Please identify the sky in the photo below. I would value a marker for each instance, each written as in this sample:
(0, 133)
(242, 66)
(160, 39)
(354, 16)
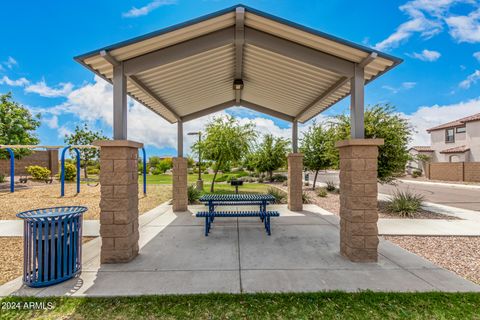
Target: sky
(439, 41)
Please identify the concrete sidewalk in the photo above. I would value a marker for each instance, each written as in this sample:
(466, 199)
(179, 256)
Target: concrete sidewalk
(302, 254)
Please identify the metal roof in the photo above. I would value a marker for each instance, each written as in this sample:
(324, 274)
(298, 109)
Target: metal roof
(288, 70)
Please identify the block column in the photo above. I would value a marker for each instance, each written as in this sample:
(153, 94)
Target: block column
(180, 197)
(295, 169)
(119, 200)
(358, 199)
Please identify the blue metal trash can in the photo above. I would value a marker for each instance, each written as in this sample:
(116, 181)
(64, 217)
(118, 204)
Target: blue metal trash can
(52, 245)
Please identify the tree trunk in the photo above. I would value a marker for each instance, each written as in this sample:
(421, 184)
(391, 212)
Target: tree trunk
(315, 179)
(85, 169)
(215, 176)
(270, 173)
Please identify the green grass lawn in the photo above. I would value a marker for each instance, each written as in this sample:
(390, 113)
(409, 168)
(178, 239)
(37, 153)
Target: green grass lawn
(329, 305)
(167, 178)
(246, 188)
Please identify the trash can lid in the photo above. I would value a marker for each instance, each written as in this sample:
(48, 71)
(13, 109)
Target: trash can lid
(52, 212)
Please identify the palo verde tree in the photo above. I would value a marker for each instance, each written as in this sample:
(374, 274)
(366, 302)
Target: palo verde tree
(271, 154)
(382, 121)
(17, 125)
(226, 140)
(318, 148)
(83, 135)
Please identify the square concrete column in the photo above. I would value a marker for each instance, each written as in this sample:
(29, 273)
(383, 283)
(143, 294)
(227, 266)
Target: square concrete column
(180, 197)
(119, 200)
(295, 169)
(358, 199)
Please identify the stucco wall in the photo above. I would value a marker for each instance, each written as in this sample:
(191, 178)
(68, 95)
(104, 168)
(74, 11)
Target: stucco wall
(439, 144)
(473, 140)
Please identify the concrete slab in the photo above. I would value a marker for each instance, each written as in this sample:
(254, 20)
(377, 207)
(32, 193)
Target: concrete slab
(175, 257)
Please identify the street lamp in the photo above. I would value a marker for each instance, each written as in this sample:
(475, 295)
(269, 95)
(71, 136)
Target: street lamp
(199, 181)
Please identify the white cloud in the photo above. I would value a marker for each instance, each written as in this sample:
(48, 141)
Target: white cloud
(465, 28)
(142, 11)
(471, 79)
(10, 63)
(430, 116)
(52, 122)
(14, 83)
(64, 131)
(41, 88)
(404, 86)
(428, 18)
(476, 55)
(426, 55)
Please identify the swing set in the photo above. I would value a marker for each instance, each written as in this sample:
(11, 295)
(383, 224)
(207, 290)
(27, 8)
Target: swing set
(90, 182)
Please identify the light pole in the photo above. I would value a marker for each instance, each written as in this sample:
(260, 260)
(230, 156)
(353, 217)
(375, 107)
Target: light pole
(199, 181)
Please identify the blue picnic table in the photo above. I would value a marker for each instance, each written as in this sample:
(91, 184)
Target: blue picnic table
(216, 200)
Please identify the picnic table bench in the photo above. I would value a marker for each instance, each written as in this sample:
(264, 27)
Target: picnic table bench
(215, 200)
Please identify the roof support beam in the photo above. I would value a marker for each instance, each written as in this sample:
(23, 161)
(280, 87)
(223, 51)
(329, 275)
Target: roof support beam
(334, 87)
(207, 111)
(180, 139)
(265, 110)
(357, 107)
(298, 52)
(179, 51)
(239, 42)
(152, 95)
(109, 58)
(295, 136)
(119, 103)
(365, 62)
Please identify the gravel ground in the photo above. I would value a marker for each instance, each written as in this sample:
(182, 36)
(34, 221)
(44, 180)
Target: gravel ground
(49, 196)
(458, 254)
(11, 257)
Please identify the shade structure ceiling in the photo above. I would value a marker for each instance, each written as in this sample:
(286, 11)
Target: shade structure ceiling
(238, 57)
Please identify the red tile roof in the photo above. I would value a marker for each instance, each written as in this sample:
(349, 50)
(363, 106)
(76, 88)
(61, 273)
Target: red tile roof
(460, 149)
(457, 123)
(422, 148)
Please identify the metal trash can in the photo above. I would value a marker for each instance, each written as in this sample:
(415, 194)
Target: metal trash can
(52, 245)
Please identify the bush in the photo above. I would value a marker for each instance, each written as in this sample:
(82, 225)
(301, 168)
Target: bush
(322, 192)
(93, 170)
(2, 178)
(70, 171)
(331, 186)
(278, 194)
(405, 203)
(260, 180)
(417, 173)
(279, 178)
(305, 197)
(193, 194)
(39, 173)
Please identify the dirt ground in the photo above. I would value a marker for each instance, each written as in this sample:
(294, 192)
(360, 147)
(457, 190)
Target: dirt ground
(11, 257)
(49, 196)
(458, 254)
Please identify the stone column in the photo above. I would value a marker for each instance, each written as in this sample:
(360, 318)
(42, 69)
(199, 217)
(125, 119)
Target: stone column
(180, 197)
(295, 169)
(119, 200)
(358, 199)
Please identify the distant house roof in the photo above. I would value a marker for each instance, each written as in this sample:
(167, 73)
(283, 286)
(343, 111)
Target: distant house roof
(460, 149)
(456, 123)
(422, 148)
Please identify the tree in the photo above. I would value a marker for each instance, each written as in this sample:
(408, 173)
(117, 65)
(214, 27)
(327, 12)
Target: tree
(165, 164)
(225, 140)
(382, 121)
(318, 148)
(17, 125)
(271, 154)
(82, 135)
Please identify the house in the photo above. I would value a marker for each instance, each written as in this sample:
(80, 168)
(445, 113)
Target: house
(455, 141)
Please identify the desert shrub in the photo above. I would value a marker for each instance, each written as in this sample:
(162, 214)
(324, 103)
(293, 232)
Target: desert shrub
(417, 173)
(70, 171)
(322, 192)
(305, 197)
(330, 186)
(93, 170)
(260, 180)
(38, 172)
(278, 194)
(2, 178)
(405, 203)
(193, 194)
(279, 177)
